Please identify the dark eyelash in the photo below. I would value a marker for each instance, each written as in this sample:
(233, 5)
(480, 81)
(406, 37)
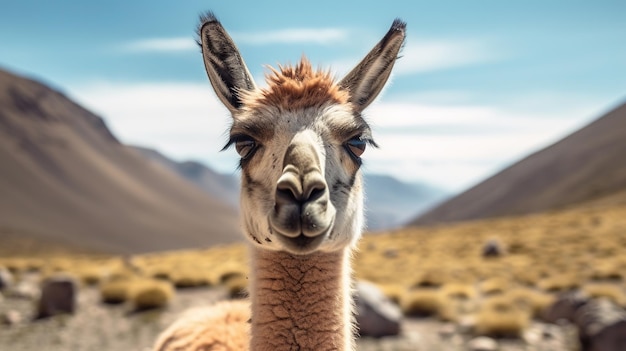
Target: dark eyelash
(233, 139)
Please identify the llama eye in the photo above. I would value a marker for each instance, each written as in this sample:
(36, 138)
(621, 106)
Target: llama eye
(245, 146)
(356, 146)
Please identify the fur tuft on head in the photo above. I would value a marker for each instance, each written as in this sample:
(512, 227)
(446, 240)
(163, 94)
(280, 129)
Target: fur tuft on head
(298, 87)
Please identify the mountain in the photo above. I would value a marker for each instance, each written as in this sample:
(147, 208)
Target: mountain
(65, 178)
(220, 186)
(390, 202)
(589, 165)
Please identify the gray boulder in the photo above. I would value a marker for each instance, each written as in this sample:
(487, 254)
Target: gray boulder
(376, 315)
(493, 248)
(23, 290)
(482, 343)
(6, 278)
(565, 306)
(601, 326)
(11, 317)
(58, 296)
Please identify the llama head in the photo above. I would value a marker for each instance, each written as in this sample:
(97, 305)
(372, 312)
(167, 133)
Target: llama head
(300, 141)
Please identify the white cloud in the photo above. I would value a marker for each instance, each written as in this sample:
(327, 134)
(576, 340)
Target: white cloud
(456, 147)
(182, 120)
(432, 55)
(452, 147)
(428, 55)
(323, 36)
(173, 44)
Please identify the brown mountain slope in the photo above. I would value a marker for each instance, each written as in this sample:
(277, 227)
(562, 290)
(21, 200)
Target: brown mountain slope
(587, 165)
(65, 178)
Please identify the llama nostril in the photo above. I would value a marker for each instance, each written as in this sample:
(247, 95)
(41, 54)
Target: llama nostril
(314, 186)
(286, 194)
(314, 191)
(289, 188)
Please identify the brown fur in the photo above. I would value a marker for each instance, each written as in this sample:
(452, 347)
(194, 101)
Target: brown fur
(222, 327)
(299, 301)
(297, 87)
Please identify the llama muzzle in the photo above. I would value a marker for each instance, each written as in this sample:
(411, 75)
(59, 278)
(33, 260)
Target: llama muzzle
(302, 214)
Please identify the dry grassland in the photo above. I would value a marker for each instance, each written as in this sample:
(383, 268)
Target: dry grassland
(435, 271)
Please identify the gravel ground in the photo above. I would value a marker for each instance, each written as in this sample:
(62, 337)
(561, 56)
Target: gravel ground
(103, 327)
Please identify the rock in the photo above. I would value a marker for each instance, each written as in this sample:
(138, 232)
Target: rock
(58, 296)
(549, 332)
(23, 290)
(376, 315)
(447, 330)
(11, 317)
(466, 324)
(493, 248)
(482, 343)
(601, 326)
(6, 278)
(532, 336)
(565, 307)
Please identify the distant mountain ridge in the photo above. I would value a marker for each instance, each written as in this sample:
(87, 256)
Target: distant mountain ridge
(589, 165)
(391, 203)
(65, 178)
(220, 186)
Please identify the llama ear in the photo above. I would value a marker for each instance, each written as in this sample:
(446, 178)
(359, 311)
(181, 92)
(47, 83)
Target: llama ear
(226, 69)
(367, 79)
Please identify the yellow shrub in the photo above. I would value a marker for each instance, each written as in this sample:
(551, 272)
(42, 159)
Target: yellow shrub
(500, 318)
(190, 279)
(559, 283)
(230, 274)
(237, 287)
(161, 273)
(458, 291)
(528, 276)
(495, 286)
(394, 292)
(607, 271)
(91, 275)
(430, 278)
(150, 293)
(612, 292)
(115, 291)
(533, 301)
(421, 303)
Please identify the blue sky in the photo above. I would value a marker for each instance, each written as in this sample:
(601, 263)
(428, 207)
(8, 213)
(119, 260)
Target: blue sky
(480, 83)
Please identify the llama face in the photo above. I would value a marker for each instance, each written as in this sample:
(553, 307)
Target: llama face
(301, 181)
(300, 142)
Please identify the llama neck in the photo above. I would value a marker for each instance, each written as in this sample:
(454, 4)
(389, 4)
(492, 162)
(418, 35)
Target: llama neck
(301, 302)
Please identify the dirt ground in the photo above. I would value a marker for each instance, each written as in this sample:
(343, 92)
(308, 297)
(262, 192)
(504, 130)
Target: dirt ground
(98, 327)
